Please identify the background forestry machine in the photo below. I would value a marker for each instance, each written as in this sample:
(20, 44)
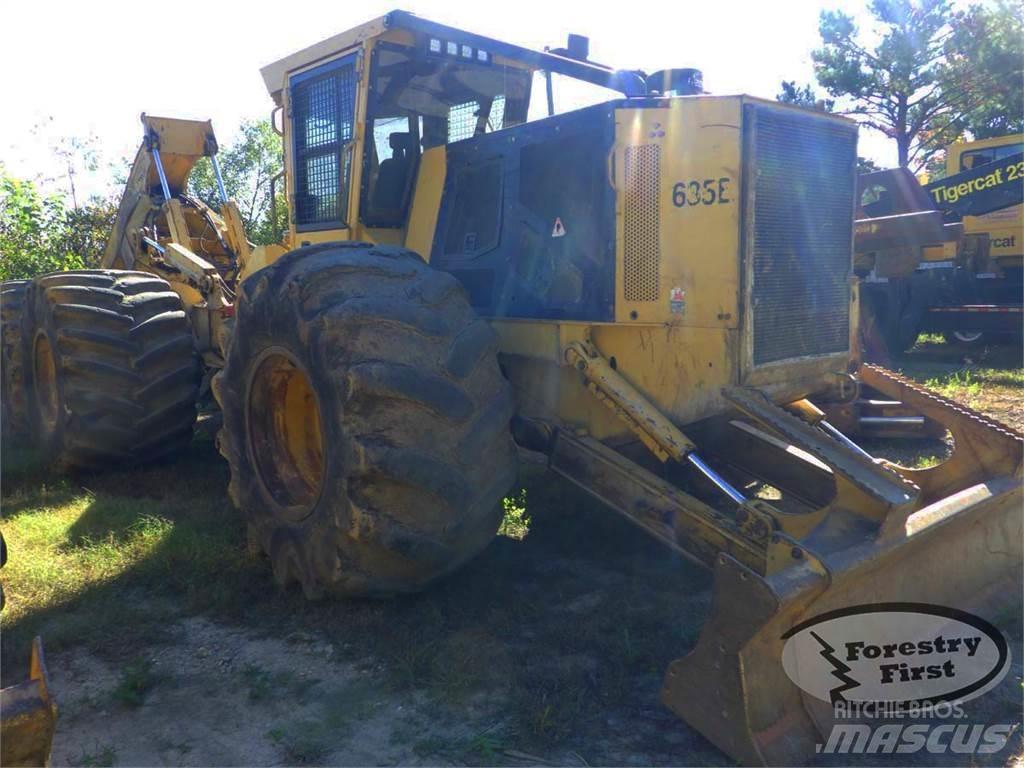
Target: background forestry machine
(650, 289)
(946, 257)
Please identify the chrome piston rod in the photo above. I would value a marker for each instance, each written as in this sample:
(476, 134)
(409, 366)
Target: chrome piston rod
(720, 482)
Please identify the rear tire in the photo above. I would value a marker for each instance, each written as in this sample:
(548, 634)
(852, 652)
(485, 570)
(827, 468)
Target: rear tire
(112, 374)
(13, 389)
(365, 420)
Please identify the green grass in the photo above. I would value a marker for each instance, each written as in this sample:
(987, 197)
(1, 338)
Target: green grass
(136, 680)
(965, 384)
(305, 742)
(923, 462)
(308, 739)
(103, 756)
(258, 681)
(107, 561)
(111, 563)
(975, 383)
(516, 522)
(988, 379)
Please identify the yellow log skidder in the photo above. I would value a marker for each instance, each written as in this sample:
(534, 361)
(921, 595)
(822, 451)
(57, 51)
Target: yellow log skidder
(653, 289)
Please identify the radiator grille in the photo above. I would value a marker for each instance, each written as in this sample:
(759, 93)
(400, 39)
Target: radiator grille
(641, 223)
(803, 182)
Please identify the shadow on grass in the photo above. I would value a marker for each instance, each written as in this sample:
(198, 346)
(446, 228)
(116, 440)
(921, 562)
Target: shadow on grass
(938, 355)
(195, 561)
(568, 630)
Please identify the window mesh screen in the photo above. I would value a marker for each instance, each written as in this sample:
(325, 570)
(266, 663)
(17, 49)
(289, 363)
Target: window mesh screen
(462, 121)
(322, 109)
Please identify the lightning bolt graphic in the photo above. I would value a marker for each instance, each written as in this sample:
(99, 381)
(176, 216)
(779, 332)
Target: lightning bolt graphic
(839, 670)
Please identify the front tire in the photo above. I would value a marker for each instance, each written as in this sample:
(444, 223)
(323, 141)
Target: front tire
(365, 420)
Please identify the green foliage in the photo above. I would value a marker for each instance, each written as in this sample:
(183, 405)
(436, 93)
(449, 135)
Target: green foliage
(987, 55)
(899, 82)
(41, 234)
(247, 166)
(803, 96)
(926, 74)
(516, 522)
(864, 165)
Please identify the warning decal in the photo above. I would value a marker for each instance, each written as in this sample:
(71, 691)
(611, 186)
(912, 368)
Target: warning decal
(558, 230)
(677, 301)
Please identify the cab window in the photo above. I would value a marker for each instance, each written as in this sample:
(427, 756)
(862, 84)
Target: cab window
(418, 100)
(322, 104)
(978, 157)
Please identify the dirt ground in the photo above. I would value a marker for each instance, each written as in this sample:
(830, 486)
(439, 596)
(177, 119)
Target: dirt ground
(536, 653)
(546, 650)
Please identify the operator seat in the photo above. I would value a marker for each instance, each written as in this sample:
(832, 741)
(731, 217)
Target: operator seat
(393, 174)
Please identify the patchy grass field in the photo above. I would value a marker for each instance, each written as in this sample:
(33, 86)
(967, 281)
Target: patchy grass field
(552, 643)
(169, 644)
(988, 379)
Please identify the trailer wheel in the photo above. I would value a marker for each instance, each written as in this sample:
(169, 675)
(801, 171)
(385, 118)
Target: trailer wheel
(13, 390)
(112, 376)
(965, 338)
(365, 420)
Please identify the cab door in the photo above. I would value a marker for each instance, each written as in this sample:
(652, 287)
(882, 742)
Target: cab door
(320, 146)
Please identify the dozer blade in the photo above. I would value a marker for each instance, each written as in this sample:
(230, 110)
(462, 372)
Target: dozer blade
(28, 716)
(956, 542)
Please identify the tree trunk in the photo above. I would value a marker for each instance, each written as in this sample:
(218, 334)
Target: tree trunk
(903, 149)
(903, 136)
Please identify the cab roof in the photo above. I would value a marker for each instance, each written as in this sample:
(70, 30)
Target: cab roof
(275, 74)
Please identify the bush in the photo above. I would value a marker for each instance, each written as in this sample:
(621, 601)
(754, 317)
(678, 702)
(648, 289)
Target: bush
(41, 234)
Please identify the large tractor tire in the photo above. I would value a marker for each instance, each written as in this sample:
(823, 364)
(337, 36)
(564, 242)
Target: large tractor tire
(13, 390)
(112, 374)
(365, 421)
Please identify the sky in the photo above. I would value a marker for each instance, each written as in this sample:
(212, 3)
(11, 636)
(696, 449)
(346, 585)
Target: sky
(90, 68)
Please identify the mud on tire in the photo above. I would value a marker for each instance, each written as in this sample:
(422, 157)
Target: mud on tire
(112, 375)
(13, 389)
(365, 420)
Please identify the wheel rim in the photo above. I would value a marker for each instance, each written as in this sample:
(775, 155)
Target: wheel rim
(284, 434)
(967, 337)
(44, 368)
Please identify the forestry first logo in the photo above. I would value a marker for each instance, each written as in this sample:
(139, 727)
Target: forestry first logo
(895, 652)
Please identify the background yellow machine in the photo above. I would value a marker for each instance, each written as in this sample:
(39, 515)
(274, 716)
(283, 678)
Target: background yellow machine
(646, 289)
(945, 257)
